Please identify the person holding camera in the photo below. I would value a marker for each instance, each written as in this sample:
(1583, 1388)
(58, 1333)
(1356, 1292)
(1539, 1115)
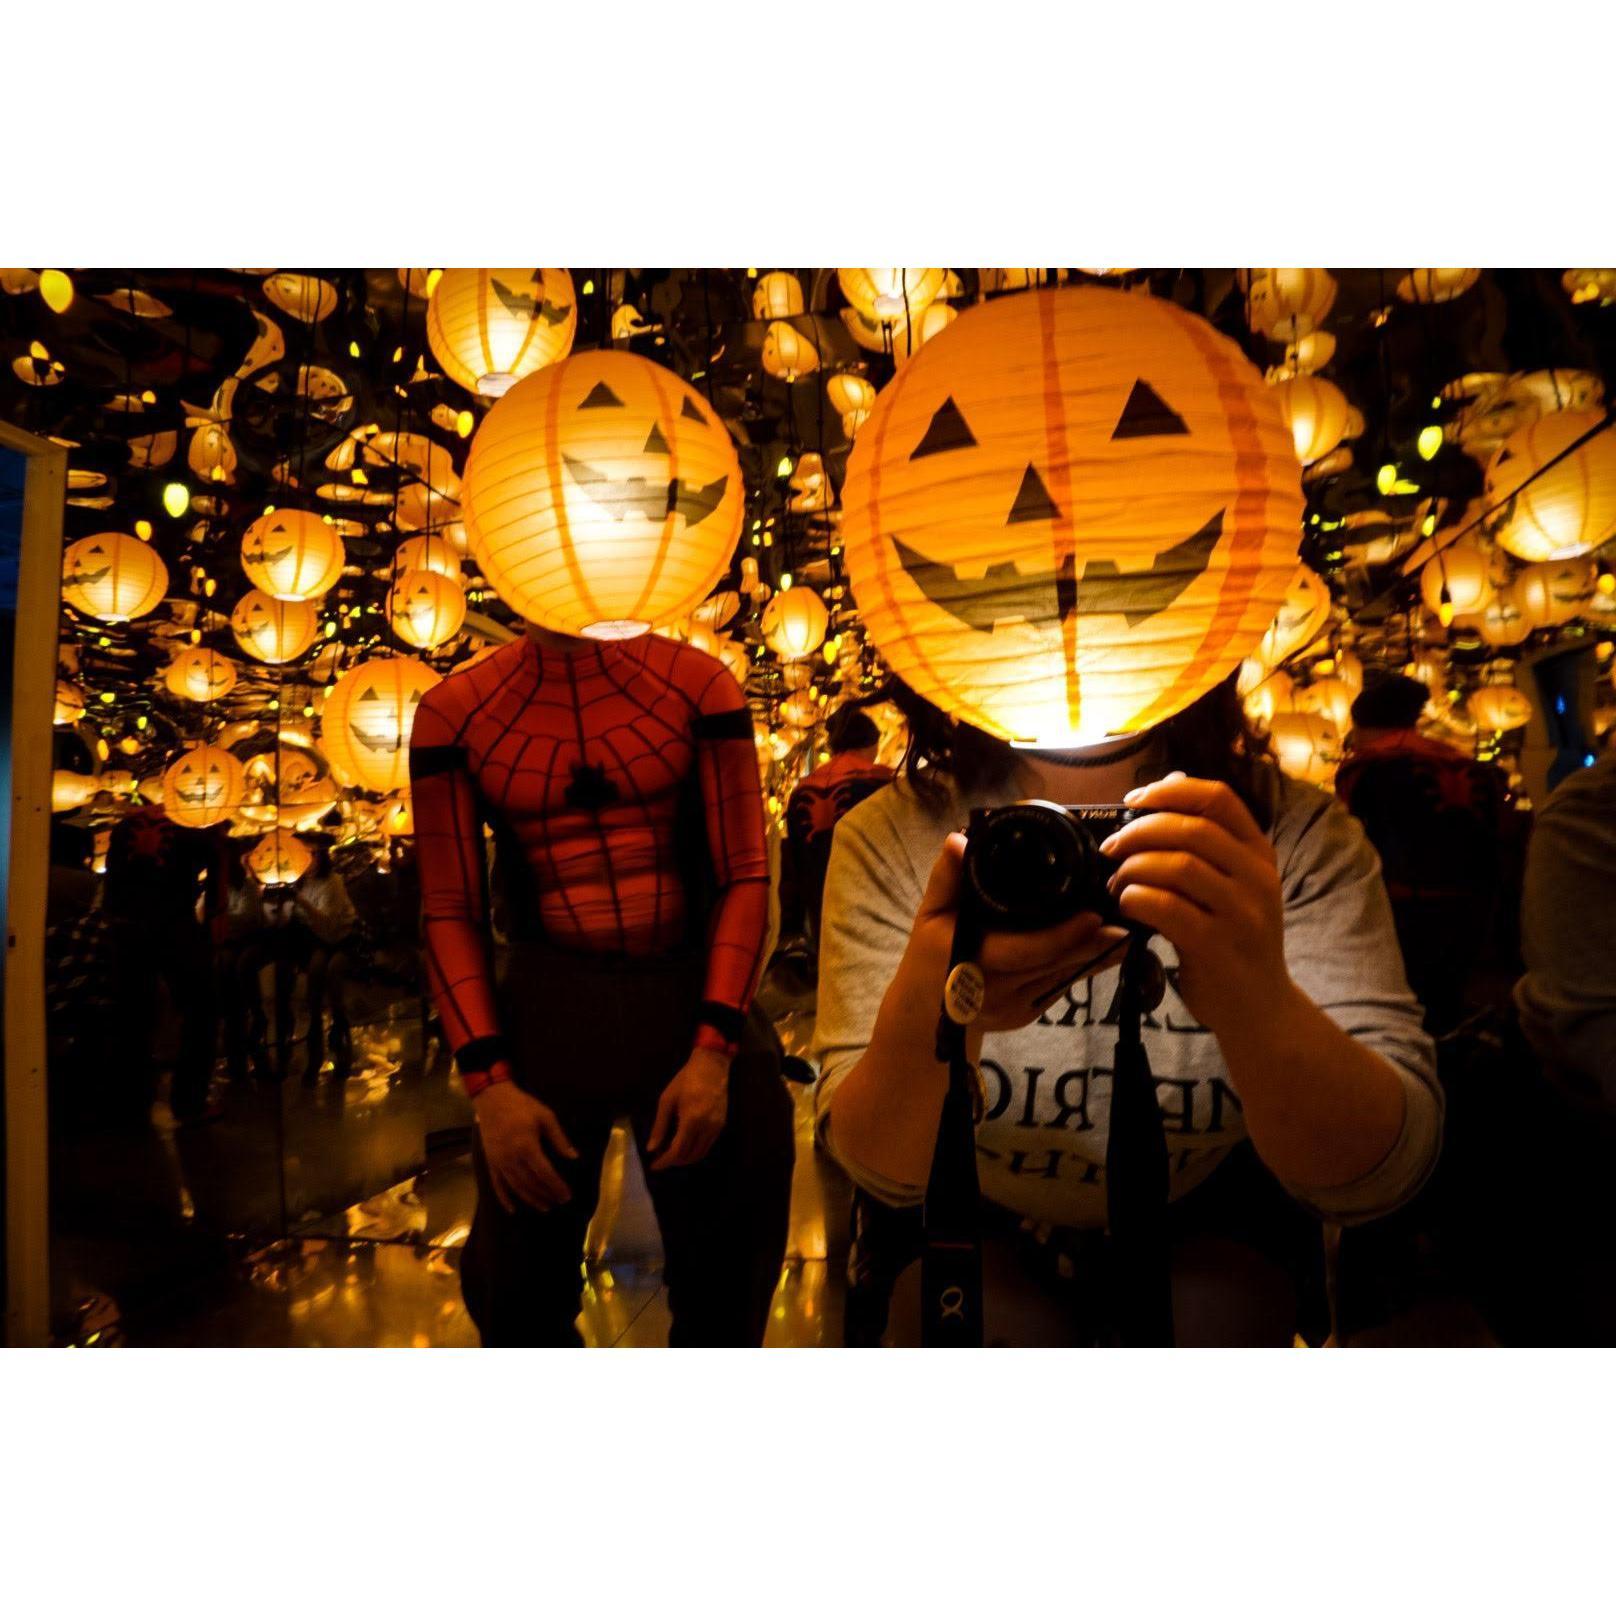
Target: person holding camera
(1295, 1080)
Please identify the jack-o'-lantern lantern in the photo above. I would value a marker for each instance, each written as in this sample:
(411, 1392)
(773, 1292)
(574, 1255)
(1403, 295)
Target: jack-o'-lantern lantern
(304, 297)
(909, 335)
(273, 630)
(1071, 514)
(279, 859)
(425, 608)
(810, 487)
(1316, 412)
(794, 623)
(203, 786)
(489, 328)
(427, 552)
(602, 496)
(718, 610)
(1436, 285)
(69, 707)
(1500, 707)
(113, 577)
(850, 395)
(200, 673)
(1500, 621)
(1264, 691)
(365, 727)
(1306, 746)
(1286, 304)
(1555, 511)
(1590, 285)
(888, 295)
(1300, 619)
(800, 711)
(787, 352)
(1463, 574)
(1331, 699)
(1553, 592)
(292, 555)
(734, 656)
(777, 296)
(212, 455)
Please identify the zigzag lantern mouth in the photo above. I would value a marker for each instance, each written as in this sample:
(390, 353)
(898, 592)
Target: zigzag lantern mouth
(645, 497)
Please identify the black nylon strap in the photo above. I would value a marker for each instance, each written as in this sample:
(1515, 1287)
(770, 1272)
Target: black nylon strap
(730, 726)
(724, 1019)
(481, 1053)
(426, 761)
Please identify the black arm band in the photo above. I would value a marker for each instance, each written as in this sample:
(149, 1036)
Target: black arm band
(481, 1054)
(724, 1019)
(731, 726)
(429, 760)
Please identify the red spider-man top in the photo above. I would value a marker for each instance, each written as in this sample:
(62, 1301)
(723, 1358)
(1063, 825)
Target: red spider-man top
(583, 760)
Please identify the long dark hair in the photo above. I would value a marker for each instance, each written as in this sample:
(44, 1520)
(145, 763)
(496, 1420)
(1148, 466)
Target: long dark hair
(1210, 740)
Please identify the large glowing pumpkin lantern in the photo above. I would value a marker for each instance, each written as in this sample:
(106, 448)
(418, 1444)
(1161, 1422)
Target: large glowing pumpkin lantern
(488, 328)
(602, 496)
(1071, 514)
(203, 786)
(366, 723)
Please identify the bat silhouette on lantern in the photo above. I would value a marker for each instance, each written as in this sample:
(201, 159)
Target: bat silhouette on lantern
(531, 305)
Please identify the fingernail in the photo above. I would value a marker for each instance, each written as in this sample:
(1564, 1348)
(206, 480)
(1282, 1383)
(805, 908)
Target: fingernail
(1138, 791)
(1177, 774)
(1108, 844)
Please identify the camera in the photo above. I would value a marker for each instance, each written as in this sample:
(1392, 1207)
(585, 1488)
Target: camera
(1032, 864)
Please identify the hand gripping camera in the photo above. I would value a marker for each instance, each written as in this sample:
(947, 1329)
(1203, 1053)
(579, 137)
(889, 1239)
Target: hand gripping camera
(1028, 866)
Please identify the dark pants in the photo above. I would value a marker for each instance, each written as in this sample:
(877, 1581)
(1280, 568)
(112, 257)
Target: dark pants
(597, 1041)
(178, 958)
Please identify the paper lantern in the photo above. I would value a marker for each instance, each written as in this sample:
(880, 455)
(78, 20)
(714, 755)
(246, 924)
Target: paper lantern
(1071, 514)
(304, 297)
(794, 623)
(1304, 356)
(1553, 592)
(811, 489)
(1315, 411)
(1330, 699)
(849, 392)
(1500, 707)
(1436, 285)
(1464, 571)
(885, 295)
(1306, 746)
(425, 608)
(427, 552)
(1286, 303)
(212, 456)
(1584, 285)
(200, 674)
(292, 555)
(113, 577)
(718, 610)
(203, 786)
(397, 817)
(602, 496)
(1300, 619)
(736, 658)
(1267, 692)
(279, 859)
(801, 711)
(787, 353)
(908, 335)
(777, 296)
(489, 328)
(1501, 621)
(271, 630)
(1349, 670)
(1566, 510)
(365, 726)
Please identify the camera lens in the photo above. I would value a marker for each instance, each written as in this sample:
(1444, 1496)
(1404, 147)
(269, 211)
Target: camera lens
(1029, 864)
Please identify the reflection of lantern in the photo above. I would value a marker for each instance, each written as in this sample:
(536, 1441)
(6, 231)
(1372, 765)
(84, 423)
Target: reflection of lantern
(777, 296)
(811, 490)
(801, 711)
(1331, 699)
(397, 817)
(1300, 619)
(203, 787)
(1464, 571)
(1286, 303)
(1071, 514)
(425, 608)
(428, 552)
(113, 576)
(1501, 620)
(274, 630)
(1500, 707)
(1566, 510)
(489, 328)
(718, 610)
(787, 353)
(890, 294)
(794, 623)
(292, 555)
(908, 335)
(1436, 285)
(1265, 692)
(1349, 670)
(1553, 592)
(365, 727)
(602, 496)
(69, 707)
(734, 657)
(1306, 746)
(849, 392)
(212, 455)
(1316, 413)
(200, 674)
(280, 859)
(304, 297)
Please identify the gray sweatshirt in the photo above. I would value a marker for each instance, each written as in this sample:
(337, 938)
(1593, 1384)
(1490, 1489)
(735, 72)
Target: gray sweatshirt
(1041, 1145)
(1567, 999)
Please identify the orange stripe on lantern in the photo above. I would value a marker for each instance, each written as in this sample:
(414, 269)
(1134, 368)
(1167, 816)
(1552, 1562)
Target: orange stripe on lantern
(558, 503)
(483, 282)
(669, 429)
(1059, 469)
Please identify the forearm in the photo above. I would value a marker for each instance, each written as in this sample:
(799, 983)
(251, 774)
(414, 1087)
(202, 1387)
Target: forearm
(734, 959)
(1321, 1108)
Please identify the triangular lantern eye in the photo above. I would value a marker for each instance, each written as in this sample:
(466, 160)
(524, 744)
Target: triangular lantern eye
(1033, 503)
(1145, 415)
(372, 694)
(947, 431)
(690, 412)
(601, 397)
(655, 443)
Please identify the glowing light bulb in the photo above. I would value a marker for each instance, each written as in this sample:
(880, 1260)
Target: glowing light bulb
(143, 530)
(353, 350)
(176, 499)
(464, 422)
(588, 288)
(1428, 526)
(1606, 583)
(1386, 479)
(57, 290)
(1430, 440)
(433, 276)
(784, 468)
(785, 580)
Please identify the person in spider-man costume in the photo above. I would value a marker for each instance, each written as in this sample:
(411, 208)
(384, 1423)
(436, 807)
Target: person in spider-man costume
(619, 780)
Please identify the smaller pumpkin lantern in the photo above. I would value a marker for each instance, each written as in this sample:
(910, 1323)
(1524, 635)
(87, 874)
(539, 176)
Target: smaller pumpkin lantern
(1299, 621)
(271, 630)
(489, 328)
(427, 552)
(203, 786)
(1558, 508)
(304, 297)
(212, 456)
(1500, 707)
(425, 608)
(777, 296)
(280, 859)
(292, 555)
(1316, 411)
(718, 610)
(1459, 578)
(365, 727)
(1501, 621)
(69, 708)
(794, 623)
(200, 673)
(887, 295)
(909, 335)
(788, 353)
(1330, 699)
(1553, 592)
(1436, 285)
(1306, 746)
(113, 577)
